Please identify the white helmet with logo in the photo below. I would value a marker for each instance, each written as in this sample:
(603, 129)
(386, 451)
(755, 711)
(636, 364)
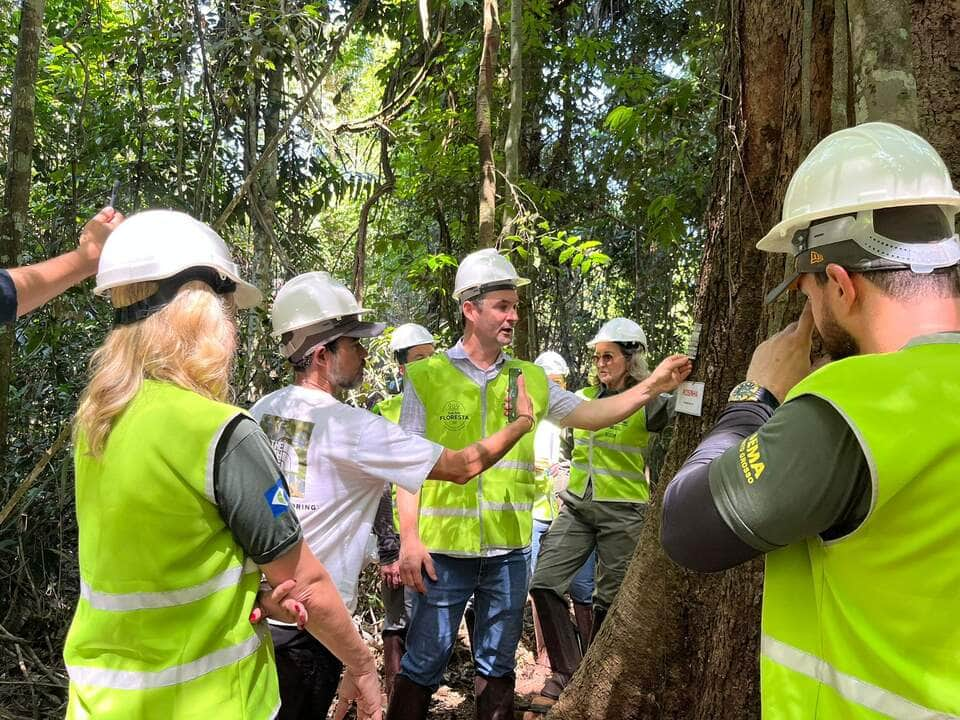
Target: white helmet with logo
(870, 166)
(155, 245)
(483, 271)
(552, 363)
(620, 330)
(408, 335)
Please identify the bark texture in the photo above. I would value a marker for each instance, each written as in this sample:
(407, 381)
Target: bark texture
(678, 644)
(488, 168)
(16, 194)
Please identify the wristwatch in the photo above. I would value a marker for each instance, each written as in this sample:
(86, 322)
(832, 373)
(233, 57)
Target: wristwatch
(749, 391)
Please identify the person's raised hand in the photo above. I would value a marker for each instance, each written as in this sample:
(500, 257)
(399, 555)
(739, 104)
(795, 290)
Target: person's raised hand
(524, 403)
(95, 233)
(672, 371)
(781, 361)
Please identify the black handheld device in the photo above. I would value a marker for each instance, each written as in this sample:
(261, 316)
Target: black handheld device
(113, 194)
(514, 374)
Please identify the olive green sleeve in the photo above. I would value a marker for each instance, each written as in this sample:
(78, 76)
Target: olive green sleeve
(252, 493)
(801, 474)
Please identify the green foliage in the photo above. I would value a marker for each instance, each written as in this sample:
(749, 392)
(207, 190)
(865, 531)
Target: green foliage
(615, 159)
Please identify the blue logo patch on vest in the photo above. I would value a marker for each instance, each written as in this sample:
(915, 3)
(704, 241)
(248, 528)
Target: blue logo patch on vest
(276, 497)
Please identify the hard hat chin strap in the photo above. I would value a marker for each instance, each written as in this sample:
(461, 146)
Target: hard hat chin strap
(167, 291)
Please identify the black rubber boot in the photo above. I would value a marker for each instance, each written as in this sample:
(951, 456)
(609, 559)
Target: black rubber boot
(494, 697)
(583, 615)
(408, 701)
(599, 615)
(560, 639)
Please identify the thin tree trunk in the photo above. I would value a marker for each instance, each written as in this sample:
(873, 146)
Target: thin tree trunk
(488, 168)
(16, 194)
(678, 644)
(511, 145)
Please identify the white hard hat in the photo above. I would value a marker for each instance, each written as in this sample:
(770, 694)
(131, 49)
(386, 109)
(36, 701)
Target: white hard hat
(483, 271)
(157, 244)
(315, 306)
(620, 330)
(552, 363)
(870, 166)
(408, 335)
(312, 298)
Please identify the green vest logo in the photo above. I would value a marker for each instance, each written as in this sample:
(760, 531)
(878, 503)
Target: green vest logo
(454, 415)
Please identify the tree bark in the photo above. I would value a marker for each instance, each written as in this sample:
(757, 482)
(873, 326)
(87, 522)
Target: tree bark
(936, 60)
(678, 644)
(16, 194)
(488, 168)
(511, 145)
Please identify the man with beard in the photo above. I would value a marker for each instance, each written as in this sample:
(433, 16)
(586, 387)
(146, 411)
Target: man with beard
(847, 476)
(475, 539)
(337, 458)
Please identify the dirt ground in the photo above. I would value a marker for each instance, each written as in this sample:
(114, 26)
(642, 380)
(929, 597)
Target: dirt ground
(454, 699)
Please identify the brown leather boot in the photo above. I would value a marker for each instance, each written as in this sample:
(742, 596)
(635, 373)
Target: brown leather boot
(560, 639)
(494, 697)
(393, 649)
(583, 615)
(408, 701)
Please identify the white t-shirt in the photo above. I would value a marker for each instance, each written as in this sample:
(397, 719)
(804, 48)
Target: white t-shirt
(336, 459)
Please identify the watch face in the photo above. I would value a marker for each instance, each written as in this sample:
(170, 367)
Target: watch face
(745, 391)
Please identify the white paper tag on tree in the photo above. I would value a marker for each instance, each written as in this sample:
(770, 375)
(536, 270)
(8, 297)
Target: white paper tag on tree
(690, 398)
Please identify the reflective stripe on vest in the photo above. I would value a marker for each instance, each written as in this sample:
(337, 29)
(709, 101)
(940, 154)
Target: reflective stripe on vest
(865, 624)
(162, 621)
(494, 510)
(612, 458)
(852, 688)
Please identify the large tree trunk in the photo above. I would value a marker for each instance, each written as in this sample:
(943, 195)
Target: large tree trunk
(681, 644)
(16, 195)
(677, 644)
(488, 168)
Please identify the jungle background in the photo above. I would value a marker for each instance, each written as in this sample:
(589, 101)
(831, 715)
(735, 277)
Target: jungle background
(626, 154)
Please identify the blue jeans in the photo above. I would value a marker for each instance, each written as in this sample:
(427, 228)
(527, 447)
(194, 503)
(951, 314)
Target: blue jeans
(499, 587)
(581, 587)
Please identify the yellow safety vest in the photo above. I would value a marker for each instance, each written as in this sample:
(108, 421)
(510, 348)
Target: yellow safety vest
(162, 629)
(613, 457)
(389, 409)
(494, 510)
(864, 626)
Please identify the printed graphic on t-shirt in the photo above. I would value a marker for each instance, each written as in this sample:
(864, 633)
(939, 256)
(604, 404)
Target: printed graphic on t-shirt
(290, 439)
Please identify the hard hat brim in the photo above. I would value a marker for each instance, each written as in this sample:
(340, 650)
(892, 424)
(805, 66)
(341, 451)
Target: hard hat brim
(780, 237)
(246, 295)
(515, 282)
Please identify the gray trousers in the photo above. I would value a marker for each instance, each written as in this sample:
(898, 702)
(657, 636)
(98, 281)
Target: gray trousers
(397, 604)
(584, 524)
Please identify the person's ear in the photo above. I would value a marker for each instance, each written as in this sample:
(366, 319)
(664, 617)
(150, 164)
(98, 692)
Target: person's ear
(470, 311)
(841, 286)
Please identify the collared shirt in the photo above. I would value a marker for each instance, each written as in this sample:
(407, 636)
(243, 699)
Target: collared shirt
(413, 416)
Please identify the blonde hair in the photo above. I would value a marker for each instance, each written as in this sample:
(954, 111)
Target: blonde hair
(190, 343)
